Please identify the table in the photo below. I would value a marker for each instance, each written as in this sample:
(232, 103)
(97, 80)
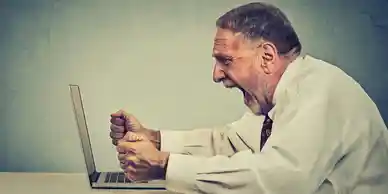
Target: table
(54, 183)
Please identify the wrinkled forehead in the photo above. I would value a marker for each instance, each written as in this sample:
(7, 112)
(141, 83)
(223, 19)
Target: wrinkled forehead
(225, 41)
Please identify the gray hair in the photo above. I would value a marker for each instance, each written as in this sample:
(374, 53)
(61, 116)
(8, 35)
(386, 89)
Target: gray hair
(262, 21)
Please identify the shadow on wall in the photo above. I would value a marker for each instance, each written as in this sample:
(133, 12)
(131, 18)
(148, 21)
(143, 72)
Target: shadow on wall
(3, 131)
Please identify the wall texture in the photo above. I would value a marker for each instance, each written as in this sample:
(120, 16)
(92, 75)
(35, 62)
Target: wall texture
(152, 58)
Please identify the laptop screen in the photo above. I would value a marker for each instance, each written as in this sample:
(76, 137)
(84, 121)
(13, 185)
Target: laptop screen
(82, 128)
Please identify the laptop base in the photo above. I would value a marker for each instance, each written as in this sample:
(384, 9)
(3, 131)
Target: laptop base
(116, 180)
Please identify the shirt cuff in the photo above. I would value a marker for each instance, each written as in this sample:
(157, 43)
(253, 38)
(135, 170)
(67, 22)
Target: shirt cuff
(172, 141)
(181, 172)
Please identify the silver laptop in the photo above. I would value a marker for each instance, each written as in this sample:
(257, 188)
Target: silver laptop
(102, 180)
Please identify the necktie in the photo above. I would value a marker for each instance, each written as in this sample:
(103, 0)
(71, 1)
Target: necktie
(265, 131)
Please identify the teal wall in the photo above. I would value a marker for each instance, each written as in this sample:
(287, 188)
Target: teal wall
(152, 58)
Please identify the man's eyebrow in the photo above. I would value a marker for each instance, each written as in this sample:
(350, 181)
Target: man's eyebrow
(221, 56)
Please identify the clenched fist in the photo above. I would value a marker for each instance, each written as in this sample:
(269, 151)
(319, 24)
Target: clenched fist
(139, 158)
(122, 122)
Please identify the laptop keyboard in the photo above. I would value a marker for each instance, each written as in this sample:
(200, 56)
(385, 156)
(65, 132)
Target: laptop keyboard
(116, 177)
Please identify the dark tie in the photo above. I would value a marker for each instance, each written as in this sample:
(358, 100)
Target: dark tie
(265, 131)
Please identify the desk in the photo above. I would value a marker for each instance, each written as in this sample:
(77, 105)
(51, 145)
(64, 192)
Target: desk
(54, 183)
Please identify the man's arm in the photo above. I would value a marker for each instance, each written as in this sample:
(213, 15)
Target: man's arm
(306, 143)
(207, 141)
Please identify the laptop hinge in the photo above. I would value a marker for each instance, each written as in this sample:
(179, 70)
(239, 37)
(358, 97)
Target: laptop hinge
(94, 177)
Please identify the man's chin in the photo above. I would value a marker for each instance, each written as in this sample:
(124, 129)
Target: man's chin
(250, 102)
(255, 109)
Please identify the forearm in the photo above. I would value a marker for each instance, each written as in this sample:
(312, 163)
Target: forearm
(209, 141)
(202, 142)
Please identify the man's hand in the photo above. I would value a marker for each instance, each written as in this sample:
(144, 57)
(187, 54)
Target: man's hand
(122, 122)
(139, 158)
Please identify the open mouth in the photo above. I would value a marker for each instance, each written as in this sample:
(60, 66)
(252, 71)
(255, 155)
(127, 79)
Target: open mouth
(248, 98)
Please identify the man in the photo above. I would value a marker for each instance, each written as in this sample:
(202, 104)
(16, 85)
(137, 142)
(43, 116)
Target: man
(321, 132)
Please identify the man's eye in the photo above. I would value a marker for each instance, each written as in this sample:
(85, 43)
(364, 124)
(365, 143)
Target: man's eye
(224, 61)
(227, 62)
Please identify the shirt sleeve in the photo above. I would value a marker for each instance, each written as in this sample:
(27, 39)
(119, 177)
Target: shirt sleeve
(206, 141)
(304, 147)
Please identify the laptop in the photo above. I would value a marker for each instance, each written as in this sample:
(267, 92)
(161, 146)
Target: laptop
(102, 180)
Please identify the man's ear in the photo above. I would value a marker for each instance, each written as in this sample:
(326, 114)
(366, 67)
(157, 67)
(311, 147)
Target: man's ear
(269, 53)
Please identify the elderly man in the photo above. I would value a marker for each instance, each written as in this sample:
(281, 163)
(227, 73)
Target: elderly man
(312, 129)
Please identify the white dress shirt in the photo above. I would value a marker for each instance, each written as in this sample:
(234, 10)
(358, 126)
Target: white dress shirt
(327, 138)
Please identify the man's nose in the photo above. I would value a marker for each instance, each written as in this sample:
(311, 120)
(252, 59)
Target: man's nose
(218, 74)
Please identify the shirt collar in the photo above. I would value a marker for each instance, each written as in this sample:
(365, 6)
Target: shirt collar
(286, 79)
